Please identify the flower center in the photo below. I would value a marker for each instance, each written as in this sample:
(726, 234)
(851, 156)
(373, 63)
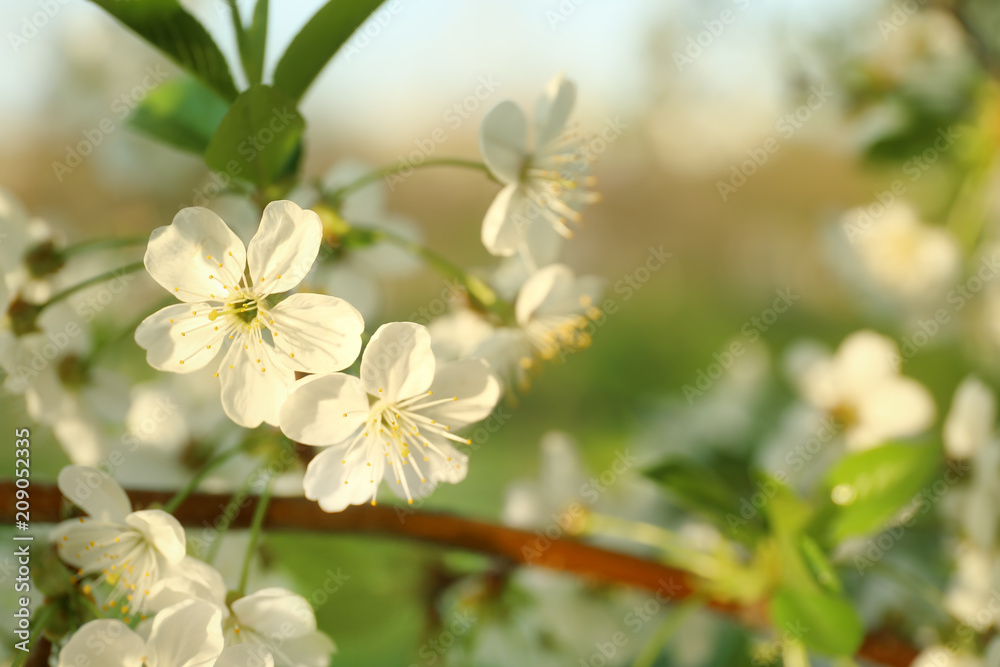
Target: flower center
(73, 371)
(244, 310)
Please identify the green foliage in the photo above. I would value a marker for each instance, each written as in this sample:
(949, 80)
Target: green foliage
(318, 41)
(166, 25)
(808, 606)
(259, 139)
(874, 485)
(821, 621)
(183, 113)
(716, 491)
(255, 43)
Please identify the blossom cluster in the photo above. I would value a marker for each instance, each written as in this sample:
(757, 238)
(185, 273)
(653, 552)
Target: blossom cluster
(268, 340)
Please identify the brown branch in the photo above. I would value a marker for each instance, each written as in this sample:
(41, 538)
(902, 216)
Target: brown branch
(517, 546)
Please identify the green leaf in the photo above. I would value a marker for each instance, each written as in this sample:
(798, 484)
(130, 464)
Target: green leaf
(318, 41)
(166, 25)
(256, 43)
(259, 139)
(183, 113)
(871, 487)
(818, 564)
(712, 494)
(824, 622)
(787, 516)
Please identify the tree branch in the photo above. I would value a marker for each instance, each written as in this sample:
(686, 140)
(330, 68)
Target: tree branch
(518, 546)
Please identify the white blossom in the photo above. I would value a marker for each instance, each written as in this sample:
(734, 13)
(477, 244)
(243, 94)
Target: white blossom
(226, 288)
(545, 184)
(396, 420)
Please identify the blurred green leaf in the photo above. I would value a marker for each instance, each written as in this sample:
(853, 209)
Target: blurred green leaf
(821, 621)
(871, 487)
(259, 139)
(819, 565)
(318, 41)
(256, 43)
(712, 491)
(169, 27)
(787, 517)
(183, 113)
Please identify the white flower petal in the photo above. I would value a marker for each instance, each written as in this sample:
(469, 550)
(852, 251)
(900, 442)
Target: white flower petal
(184, 257)
(95, 493)
(73, 539)
(284, 249)
(503, 141)
(186, 635)
(896, 408)
(553, 110)
(13, 231)
(105, 642)
(162, 531)
(336, 485)
(522, 505)
(863, 358)
(454, 336)
(538, 288)
(970, 423)
(398, 362)
(195, 579)
(314, 412)
(311, 650)
(179, 342)
(275, 611)
(501, 234)
(319, 333)
(562, 473)
(542, 243)
(245, 655)
(252, 391)
(472, 383)
(555, 290)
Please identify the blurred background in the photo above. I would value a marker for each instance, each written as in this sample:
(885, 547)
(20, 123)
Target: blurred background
(740, 137)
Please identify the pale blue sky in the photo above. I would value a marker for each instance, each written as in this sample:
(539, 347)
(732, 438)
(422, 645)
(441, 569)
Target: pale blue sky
(430, 54)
